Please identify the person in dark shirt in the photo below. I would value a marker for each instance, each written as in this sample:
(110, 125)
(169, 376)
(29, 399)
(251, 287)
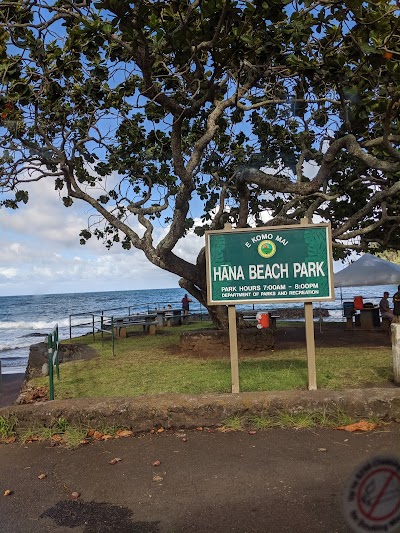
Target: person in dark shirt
(396, 305)
(185, 304)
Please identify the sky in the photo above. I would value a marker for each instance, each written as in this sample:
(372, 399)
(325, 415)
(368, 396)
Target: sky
(41, 253)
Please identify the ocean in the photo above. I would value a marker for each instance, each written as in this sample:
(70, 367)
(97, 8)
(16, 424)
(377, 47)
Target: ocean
(26, 320)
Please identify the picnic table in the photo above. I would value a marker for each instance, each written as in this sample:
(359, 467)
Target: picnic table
(170, 317)
(147, 320)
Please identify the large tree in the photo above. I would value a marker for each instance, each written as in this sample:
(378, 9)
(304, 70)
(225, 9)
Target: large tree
(250, 112)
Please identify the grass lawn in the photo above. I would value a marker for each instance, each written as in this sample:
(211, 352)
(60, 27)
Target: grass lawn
(145, 364)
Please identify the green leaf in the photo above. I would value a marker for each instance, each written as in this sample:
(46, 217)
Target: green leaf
(22, 196)
(67, 201)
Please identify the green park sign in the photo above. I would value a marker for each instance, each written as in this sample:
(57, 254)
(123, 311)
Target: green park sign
(270, 264)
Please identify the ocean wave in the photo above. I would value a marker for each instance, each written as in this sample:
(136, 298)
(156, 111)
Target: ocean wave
(14, 361)
(12, 348)
(15, 369)
(26, 324)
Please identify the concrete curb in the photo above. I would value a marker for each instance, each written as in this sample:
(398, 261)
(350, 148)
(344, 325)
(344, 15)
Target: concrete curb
(187, 411)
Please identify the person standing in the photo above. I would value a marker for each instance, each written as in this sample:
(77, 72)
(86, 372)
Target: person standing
(185, 304)
(396, 305)
(384, 307)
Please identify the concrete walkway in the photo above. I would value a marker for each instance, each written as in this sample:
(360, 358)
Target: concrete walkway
(10, 388)
(273, 481)
(207, 481)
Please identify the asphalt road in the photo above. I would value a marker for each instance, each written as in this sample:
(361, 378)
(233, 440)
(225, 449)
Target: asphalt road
(274, 481)
(10, 385)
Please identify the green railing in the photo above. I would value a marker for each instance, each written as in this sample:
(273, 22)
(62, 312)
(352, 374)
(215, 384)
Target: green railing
(52, 351)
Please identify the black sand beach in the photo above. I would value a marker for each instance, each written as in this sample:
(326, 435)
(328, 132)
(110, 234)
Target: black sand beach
(9, 388)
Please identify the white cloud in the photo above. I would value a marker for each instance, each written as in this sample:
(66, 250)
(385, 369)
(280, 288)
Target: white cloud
(8, 273)
(189, 247)
(41, 252)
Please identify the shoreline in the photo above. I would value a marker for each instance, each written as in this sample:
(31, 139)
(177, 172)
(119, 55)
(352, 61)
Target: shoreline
(10, 388)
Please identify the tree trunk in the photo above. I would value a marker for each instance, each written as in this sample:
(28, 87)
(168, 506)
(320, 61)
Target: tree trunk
(218, 313)
(219, 316)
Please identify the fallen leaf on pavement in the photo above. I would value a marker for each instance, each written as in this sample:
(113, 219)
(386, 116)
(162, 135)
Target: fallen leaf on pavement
(9, 440)
(115, 461)
(90, 433)
(252, 432)
(160, 430)
(124, 433)
(33, 438)
(106, 437)
(75, 495)
(322, 449)
(359, 426)
(157, 478)
(7, 492)
(97, 435)
(156, 463)
(184, 439)
(199, 429)
(42, 476)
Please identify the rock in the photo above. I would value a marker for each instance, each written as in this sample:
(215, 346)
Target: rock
(45, 369)
(206, 342)
(35, 334)
(38, 357)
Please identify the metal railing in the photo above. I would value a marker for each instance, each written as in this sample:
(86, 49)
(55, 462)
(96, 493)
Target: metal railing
(91, 315)
(89, 323)
(106, 326)
(53, 359)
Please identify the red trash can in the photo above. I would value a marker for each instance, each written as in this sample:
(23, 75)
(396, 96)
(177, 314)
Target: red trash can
(358, 302)
(262, 320)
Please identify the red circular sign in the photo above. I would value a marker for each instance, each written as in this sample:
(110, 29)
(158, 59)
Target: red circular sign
(372, 496)
(376, 493)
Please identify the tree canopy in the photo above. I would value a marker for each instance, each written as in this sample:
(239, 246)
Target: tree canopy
(193, 113)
